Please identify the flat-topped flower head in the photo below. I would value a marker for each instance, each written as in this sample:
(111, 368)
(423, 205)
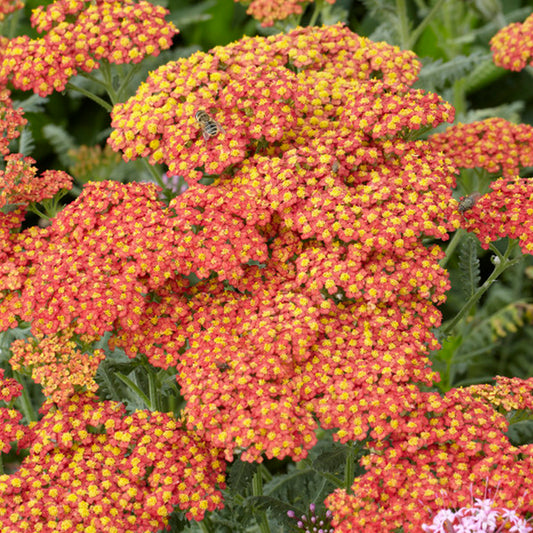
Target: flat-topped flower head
(270, 94)
(494, 144)
(107, 470)
(308, 134)
(443, 453)
(57, 364)
(512, 46)
(19, 183)
(270, 11)
(505, 211)
(79, 35)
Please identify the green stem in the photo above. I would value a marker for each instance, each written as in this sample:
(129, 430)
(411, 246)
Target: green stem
(257, 489)
(206, 526)
(24, 404)
(415, 35)
(107, 74)
(504, 264)
(317, 7)
(403, 29)
(124, 85)
(452, 245)
(155, 174)
(349, 470)
(106, 105)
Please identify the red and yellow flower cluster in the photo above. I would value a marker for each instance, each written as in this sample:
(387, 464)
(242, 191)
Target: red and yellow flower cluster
(91, 464)
(493, 144)
(293, 291)
(78, 36)
(270, 11)
(446, 451)
(512, 46)
(317, 179)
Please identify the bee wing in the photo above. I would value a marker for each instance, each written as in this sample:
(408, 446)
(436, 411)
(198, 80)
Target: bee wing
(205, 134)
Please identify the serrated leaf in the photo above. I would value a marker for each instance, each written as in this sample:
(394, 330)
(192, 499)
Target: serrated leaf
(469, 265)
(521, 432)
(61, 141)
(332, 459)
(26, 142)
(241, 474)
(33, 104)
(437, 74)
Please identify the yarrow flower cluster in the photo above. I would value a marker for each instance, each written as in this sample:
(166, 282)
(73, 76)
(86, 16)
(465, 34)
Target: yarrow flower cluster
(8, 6)
(493, 144)
(481, 515)
(284, 90)
(294, 291)
(19, 183)
(456, 443)
(317, 297)
(512, 46)
(505, 211)
(11, 121)
(109, 471)
(79, 35)
(57, 364)
(270, 11)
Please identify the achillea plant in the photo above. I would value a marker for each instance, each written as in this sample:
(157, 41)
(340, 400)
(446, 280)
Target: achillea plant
(453, 446)
(289, 291)
(334, 218)
(270, 11)
(91, 464)
(512, 46)
(79, 35)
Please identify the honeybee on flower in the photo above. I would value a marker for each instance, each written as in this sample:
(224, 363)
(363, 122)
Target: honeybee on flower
(467, 202)
(209, 126)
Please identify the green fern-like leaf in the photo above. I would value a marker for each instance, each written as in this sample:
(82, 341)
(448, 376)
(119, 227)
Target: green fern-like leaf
(61, 141)
(482, 75)
(26, 142)
(436, 74)
(469, 266)
(32, 104)
(241, 474)
(521, 432)
(485, 336)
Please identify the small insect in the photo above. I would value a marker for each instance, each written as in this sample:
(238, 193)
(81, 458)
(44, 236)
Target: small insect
(223, 367)
(210, 127)
(467, 202)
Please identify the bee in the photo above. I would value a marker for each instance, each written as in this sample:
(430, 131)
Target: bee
(223, 366)
(210, 127)
(467, 202)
